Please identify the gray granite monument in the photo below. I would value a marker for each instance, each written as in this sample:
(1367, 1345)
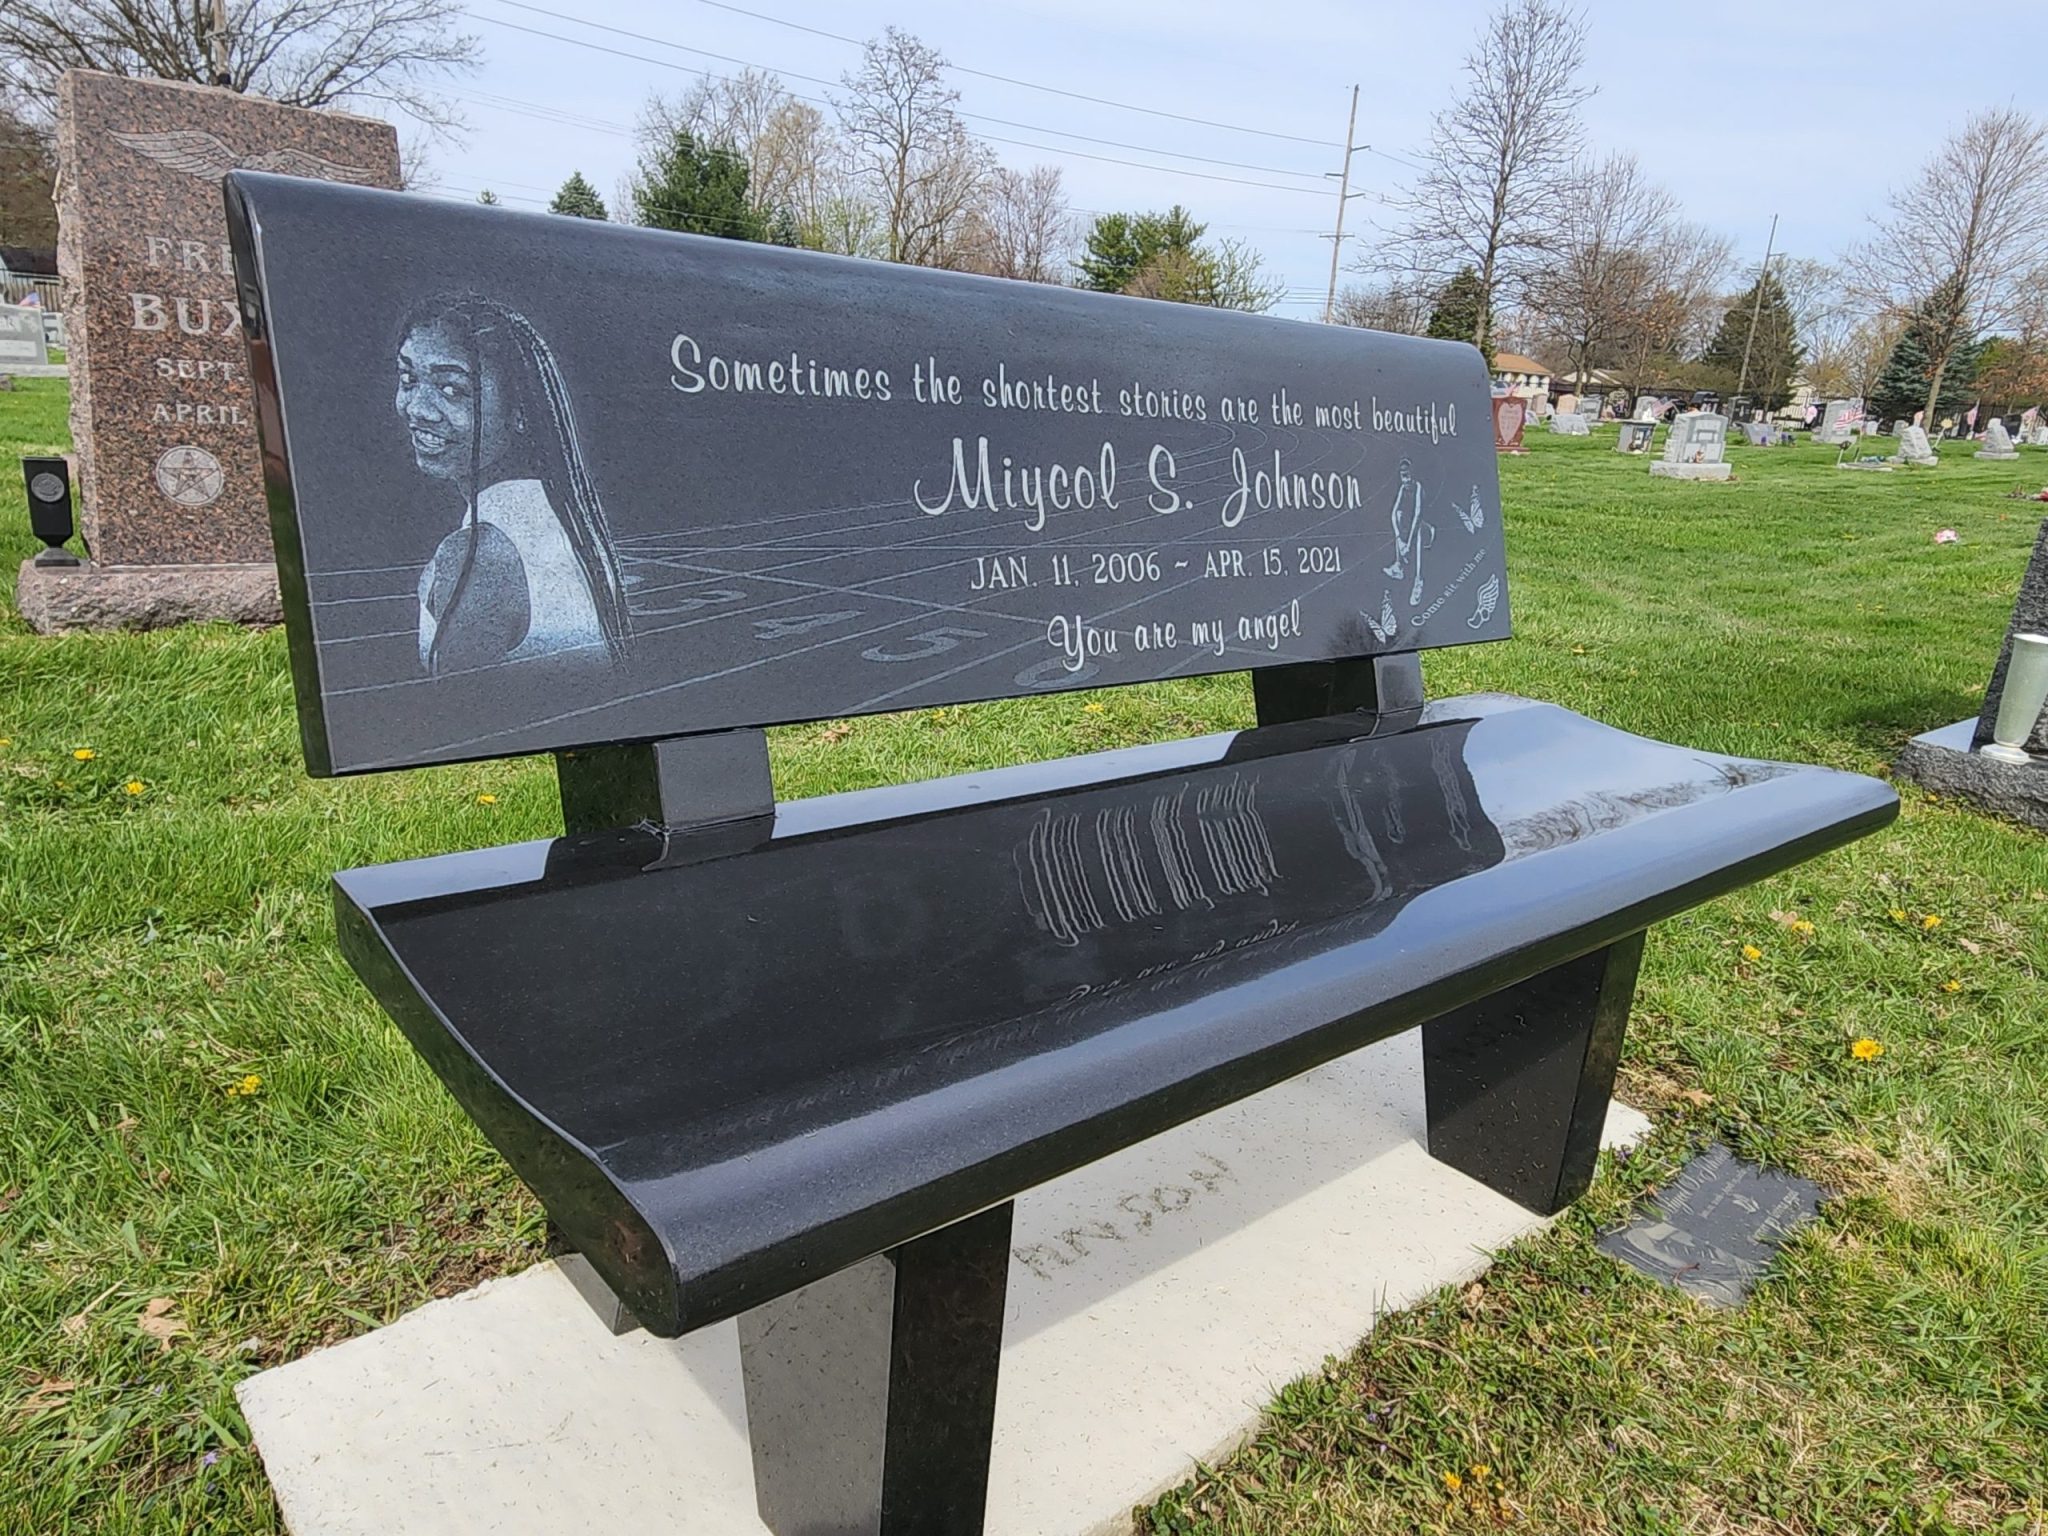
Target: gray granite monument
(1914, 447)
(1838, 422)
(22, 343)
(1953, 760)
(1997, 442)
(1696, 448)
(1635, 437)
(1570, 424)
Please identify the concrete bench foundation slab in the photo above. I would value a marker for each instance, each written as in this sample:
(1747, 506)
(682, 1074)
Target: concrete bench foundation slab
(1248, 1245)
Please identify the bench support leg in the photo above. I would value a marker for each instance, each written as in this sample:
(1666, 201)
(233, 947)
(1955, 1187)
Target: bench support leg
(871, 1394)
(1518, 1083)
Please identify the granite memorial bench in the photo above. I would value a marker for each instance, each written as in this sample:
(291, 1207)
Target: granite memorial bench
(546, 485)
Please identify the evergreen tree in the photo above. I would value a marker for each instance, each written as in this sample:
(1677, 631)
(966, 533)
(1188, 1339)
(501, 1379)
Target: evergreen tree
(1902, 386)
(700, 190)
(1122, 245)
(488, 198)
(1775, 356)
(1456, 315)
(783, 228)
(1162, 256)
(579, 199)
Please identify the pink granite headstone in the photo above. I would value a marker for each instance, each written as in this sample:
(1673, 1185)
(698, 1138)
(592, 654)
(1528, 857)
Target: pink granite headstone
(162, 419)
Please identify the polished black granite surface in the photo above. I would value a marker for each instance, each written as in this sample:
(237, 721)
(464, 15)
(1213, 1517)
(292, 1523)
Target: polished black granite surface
(713, 484)
(735, 1061)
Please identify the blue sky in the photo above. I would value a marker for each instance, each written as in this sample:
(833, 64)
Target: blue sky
(1811, 117)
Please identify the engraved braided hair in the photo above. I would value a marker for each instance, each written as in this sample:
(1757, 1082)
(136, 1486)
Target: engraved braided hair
(555, 458)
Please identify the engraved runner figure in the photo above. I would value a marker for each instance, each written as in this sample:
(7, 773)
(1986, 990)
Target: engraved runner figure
(1408, 531)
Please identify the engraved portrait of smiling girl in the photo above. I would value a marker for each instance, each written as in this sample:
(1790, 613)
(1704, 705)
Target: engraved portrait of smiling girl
(529, 570)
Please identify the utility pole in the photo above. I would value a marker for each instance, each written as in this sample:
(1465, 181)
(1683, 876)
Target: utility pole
(1343, 197)
(1756, 309)
(217, 44)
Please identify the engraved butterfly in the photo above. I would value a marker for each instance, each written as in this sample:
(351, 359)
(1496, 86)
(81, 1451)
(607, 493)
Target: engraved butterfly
(1474, 517)
(199, 153)
(1387, 624)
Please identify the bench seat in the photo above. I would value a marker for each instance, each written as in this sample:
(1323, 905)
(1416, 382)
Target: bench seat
(971, 985)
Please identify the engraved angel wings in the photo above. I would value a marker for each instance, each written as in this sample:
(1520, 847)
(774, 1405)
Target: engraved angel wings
(199, 153)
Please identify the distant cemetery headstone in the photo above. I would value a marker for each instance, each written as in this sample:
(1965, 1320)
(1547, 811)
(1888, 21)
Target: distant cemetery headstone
(1635, 437)
(1696, 448)
(1570, 424)
(1997, 442)
(1590, 406)
(1649, 408)
(1758, 434)
(1914, 447)
(1510, 417)
(1838, 422)
(2038, 438)
(169, 479)
(21, 338)
(1568, 404)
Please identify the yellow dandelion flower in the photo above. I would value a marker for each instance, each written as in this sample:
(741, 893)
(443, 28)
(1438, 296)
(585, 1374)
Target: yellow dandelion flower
(85, 754)
(134, 787)
(1897, 914)
(1803, 928)
(486, 799)
(1480, 1469)
(1930, 921)
(1091, 709)
(1751, 952)
(1867, 1049)
(1453, 1482)
(1952, 985)
(6, 741)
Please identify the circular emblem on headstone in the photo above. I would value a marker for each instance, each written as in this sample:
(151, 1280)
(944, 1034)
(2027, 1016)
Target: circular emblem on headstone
(46, 487)
(190, 476)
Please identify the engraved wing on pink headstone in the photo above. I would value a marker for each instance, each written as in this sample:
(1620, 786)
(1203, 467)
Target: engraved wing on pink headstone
(207, 156)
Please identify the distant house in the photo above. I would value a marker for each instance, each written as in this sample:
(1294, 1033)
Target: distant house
(1519, 375)
(26, 270)
(1591, 380)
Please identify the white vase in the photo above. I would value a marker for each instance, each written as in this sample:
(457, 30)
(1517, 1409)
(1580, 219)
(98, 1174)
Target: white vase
(2026, 690)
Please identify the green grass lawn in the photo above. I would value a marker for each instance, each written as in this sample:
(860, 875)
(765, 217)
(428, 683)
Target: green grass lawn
(165, 938)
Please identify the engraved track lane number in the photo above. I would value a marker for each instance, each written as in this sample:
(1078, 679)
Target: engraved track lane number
(803, 623)
(926, 642)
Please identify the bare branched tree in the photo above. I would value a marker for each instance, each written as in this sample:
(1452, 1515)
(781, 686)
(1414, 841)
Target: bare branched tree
(1968, 229)
(304, 53)
(1847, 353)
(1602, 275)
(1225, 275)
(1022, 227)
(1498, 159)
(28, 179)
(1687, 265)
(910, 148)
(1393, 305)
(793, 160)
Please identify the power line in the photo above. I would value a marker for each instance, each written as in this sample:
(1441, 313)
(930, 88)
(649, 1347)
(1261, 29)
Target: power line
(1050, 149)
(1005, 122)
(1032, 85)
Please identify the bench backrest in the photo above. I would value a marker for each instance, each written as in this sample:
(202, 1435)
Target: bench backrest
(540, 483)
